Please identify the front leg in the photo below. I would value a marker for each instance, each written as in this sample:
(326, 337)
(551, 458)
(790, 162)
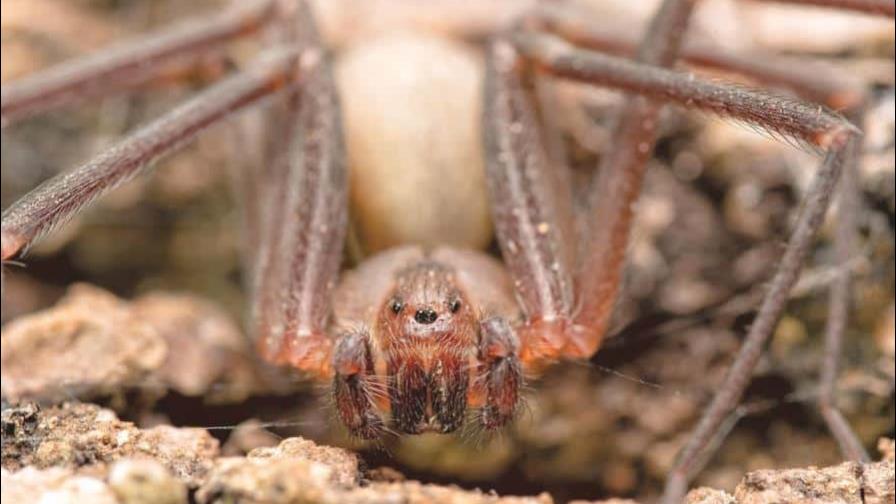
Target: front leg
(303, 232)
(617, 185)
(532, 213)
(534, 229)
(57, 200)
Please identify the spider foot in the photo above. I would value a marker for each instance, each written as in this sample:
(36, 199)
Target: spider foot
(308, 352)
(543, 340)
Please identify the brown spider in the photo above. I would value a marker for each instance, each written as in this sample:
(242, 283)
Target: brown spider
(412, 340)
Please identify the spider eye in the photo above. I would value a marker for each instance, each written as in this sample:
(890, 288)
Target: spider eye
(397, 306)
(454, 306)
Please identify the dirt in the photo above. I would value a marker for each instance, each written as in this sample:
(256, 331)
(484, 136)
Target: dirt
(76, 452)
(86, 438)
(94, 344)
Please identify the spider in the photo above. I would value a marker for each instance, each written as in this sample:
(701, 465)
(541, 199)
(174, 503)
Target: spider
(414, 340)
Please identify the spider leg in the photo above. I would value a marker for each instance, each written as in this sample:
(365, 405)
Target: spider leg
(267, 134)
(807, 122)
(729, 393)
(534, 241)
(353, 370)
(304, 226)
(804, 121)
(535, 237)
(809, 81)
(59, 198)
(499, 371)
(836, 90)
(838, 308)
(618, 184)
(129, 64)
(881, 7)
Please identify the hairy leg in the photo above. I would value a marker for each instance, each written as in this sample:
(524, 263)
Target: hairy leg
(58, 199)
(129, 64)
(730, 391)
(305, 225)
(820, 84)
(617, 185)
(353, 388)
(802, 120)
(837, 91)
(528, 211)
(524, 207)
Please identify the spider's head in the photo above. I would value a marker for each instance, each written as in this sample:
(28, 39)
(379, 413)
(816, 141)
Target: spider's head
(426, 338)
(423, 363)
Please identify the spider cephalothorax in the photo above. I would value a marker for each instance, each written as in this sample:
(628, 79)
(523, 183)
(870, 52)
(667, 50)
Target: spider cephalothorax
(426, 358)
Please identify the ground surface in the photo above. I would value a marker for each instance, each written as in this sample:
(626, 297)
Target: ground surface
(80, 452)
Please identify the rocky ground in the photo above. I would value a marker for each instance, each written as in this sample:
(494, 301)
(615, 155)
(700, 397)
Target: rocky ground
(126, 372)
(84, 453)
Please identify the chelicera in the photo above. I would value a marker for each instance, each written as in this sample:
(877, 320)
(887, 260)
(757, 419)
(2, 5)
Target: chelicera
(416, 340)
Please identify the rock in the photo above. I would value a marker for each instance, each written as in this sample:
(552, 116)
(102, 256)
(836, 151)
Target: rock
(145, 482)
(878, 486)
(246, 437)
(709, 496)
(887, 448)
(83, 453)
(129, 482)
(89, 344)
(300, 471)
(92, 344)
(846, 483)
(608, 501)
(56, 485)
(342, 463)
(256, 481)
(87, 438)
(414, 492)
(296, 470)
(208, 355)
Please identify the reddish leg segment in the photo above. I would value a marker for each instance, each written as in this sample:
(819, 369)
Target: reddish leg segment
(813, 83)
(305, 232)
(617, 186)
(352, 385)
(804, 121)
(526, 210)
